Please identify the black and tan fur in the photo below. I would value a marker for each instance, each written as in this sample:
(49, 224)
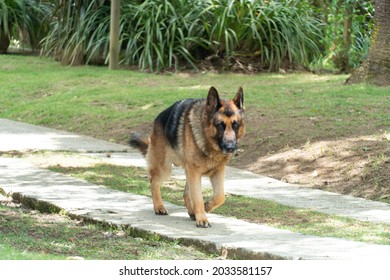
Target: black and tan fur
(201, 136)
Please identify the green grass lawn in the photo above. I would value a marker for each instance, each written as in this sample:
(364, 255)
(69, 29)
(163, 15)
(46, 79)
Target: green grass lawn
(94, 101)
(26, 235)
(284, 111)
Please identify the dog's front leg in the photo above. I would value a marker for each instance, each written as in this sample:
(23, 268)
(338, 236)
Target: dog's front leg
(194, 184)
(188, 201)
(218, 199)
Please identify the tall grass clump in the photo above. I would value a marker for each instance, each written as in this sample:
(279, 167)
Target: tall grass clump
(24, 20)
(73, 30)
(275, 33)
(154, 35)
(160, 34)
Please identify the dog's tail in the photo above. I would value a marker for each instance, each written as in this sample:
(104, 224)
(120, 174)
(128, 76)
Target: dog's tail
(139, 142)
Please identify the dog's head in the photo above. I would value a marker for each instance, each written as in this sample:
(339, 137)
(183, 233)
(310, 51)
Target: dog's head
(225, 119)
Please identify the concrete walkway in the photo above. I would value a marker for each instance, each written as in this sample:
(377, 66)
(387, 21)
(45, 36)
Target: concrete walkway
(245, 183)
(33, 185)
(18, 136)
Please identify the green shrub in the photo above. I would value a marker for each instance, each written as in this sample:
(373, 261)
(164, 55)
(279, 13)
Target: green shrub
(161, 34)
(347, 53)
(26, 20)
(275, 32)
(70, 32)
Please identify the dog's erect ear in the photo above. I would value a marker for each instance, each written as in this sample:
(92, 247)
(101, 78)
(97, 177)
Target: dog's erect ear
(213, 102)
(239, 99)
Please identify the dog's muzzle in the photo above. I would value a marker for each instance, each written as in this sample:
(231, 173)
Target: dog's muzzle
(229, 147)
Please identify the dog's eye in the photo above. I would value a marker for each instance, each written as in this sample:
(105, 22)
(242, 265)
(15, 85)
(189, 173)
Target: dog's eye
(235, 125)
(221, 126)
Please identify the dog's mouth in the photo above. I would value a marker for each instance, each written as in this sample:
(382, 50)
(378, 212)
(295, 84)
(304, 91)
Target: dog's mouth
(226, 152)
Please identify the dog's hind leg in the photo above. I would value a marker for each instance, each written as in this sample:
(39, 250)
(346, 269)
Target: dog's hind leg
(217, 180)
(155, 183)
(160, 166)
(158, 173)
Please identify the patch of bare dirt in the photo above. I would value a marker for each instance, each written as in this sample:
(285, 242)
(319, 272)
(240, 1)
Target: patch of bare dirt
(358, 166)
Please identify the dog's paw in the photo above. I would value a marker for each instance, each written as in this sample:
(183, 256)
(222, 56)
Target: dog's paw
(201, 221)
(203, 224)
(161, 211)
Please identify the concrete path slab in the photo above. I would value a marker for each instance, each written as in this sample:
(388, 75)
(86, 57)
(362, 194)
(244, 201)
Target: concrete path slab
(18, 136)
(25, 181)
(245, 183)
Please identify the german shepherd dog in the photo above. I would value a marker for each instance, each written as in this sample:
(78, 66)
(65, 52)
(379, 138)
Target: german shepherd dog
(201, 136)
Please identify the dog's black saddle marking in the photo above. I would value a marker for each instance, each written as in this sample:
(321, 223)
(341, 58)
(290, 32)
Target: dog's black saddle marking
(170, 118)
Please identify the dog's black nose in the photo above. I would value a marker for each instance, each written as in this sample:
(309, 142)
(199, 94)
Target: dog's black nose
(229, 147)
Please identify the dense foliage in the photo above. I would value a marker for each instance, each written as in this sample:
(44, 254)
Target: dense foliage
(171, 34)
(166, 34)
(25, 20)
(347, 50)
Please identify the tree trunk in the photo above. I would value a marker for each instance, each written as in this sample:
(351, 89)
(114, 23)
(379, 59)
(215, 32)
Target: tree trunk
(376, 68)
(114, 34)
